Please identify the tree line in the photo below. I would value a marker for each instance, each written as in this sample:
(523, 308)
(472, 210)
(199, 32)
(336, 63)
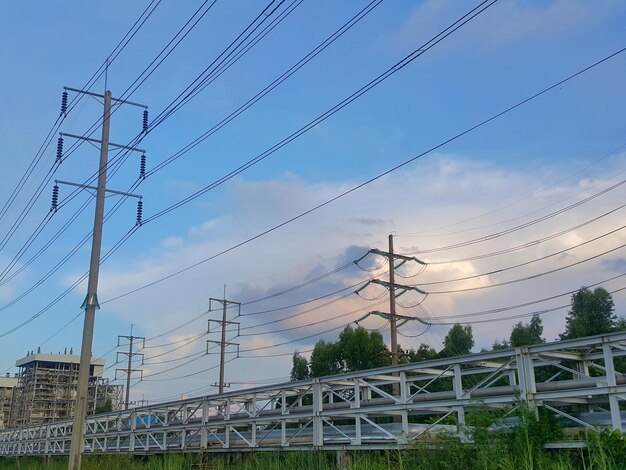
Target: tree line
(592, 312)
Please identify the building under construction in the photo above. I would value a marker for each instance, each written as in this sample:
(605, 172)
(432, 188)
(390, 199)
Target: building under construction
(47, 385)
(7, 385)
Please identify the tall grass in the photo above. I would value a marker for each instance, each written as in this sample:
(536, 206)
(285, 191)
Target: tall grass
(507, 448)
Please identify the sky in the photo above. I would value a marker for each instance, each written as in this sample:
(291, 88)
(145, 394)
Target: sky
(510, 217)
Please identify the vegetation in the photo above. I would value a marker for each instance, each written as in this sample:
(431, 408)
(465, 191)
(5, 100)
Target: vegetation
(521, 447)
(105, 407)
(458, 341)
(356, 349)
(591, 313)
(490, 442)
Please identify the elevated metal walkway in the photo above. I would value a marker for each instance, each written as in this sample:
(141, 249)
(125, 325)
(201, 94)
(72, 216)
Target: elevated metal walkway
(378, 408)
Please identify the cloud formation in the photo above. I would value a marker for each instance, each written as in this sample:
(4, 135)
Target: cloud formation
(451, 211)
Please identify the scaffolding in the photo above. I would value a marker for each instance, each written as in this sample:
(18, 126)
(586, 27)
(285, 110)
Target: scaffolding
(47, 385)
(7, 384)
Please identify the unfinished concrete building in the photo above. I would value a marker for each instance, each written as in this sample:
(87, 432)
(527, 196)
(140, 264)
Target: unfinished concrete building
(47, 385)
(7, 384)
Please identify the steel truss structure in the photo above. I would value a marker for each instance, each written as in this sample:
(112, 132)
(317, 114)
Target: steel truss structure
(576, 379)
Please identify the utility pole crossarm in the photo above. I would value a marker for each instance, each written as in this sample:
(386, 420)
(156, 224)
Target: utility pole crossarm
(398, 286)
(93, 188)
(98, 95)
(397, 256)
(406, 318)
(222, 322)
(97, 141)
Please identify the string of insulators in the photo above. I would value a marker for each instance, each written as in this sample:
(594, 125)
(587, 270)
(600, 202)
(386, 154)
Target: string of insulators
(55, 198)
(60, 150)
(64, 103)
(142, 167)
(145, 120)
(139, 213)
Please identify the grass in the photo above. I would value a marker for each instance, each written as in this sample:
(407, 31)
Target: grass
(519, 448)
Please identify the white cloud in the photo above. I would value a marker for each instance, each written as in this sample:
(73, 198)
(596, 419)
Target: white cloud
(420, 205)
(502, 24)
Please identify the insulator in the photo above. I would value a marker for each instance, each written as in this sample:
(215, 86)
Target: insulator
(64, 103)
(142, 166)
(55, 198)
(139, 212)
(145, 120)
(60, 149)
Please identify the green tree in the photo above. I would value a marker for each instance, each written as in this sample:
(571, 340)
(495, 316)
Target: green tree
(592, 313)
(498, 345)
(325, 359)
(458, 341)
(423, 353)
(300, 367)
(527, 334)
(104, 407)
(361, 349)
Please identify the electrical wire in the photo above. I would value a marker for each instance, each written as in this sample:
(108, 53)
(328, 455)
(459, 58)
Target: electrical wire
(527, 196)
(534, 276)
(530, 223)
(375, 178)
(527, 244)
(76, 192)
(432, 318)
(525, 263)
(45, 145)
(321, 118)
(261, 94)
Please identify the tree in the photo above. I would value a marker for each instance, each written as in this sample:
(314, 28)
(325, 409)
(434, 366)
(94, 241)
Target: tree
(356, 349)
(104, 407)
(498, 345)
(361, 349)
(300, 367)
(325, 359)
(592, 313)
(458, 341)
(423, 353)
(530, 333)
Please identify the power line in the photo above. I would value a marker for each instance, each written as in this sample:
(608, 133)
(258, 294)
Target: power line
(527, 196)
(398, 66)
(530, 223)
(137, 139)
(534, 276)
(432, 318)
(525, 263)
(45, 145)
(521, 315)
(321, 118)
(527, 244)
(261, 94)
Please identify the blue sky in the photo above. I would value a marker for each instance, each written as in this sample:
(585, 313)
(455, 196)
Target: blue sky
(554, 151)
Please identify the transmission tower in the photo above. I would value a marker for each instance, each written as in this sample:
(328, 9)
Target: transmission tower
(395, 290)
(129, 371)
(91, 300)
(223, 343)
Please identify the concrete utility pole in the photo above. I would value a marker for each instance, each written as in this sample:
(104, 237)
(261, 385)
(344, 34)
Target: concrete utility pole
(132, 341)
(91, 300)
(223, 343)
